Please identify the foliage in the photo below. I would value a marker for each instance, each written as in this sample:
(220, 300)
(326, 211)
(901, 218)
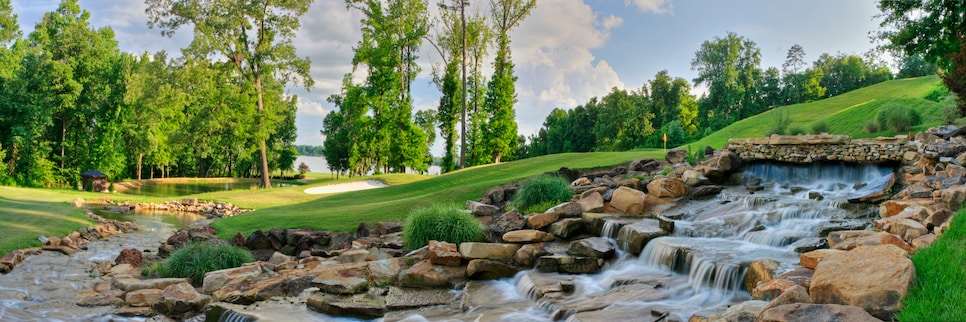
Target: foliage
(898, 117)
(871, 126)
(195, 259)
(796, 130)
(780, 123)
(310, 150)
(950, 114)
(729, 67)
(303, 168)
(440, 222)
(820, 126)
(915, 66)
(937, 267)
(540, 190)
(938, 94)
(696, 156)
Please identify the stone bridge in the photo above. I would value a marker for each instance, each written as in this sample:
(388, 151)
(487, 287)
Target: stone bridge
(825, 147)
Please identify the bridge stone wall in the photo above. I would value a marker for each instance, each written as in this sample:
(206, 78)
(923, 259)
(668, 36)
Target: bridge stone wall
(825, 147)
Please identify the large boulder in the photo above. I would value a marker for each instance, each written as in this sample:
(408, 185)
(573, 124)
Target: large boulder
(875, 278)
(629, 201)
(591, 202)
(484, 269)
(217, 279)
(182, 299)
(527, 236)
(347, 278)
(143, 298)
(129, 284)
(762, 270)
(567, 228)
(815, 312)
(812, 258)
(538, 221)
(426, 275)
(493, 251)
(633, 237)
(675, 156)
(131, 256)
(355, 306)
(480, 209)
(262, 287)
(849, 239)
(663, 187)
(443, 253)
(504, 223)
(594, 247)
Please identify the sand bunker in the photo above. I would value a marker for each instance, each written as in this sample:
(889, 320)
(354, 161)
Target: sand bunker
(345, 187)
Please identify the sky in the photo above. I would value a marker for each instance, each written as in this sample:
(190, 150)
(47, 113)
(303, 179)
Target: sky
(565, 52)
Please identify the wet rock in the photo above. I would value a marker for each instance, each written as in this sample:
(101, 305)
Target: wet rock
(629, 201)
(480, 209)
(180, 299)
(703, 192)
(815, 312)
(426, 275)
(808, 244)
(567, 228)
(633, 237)
(262, 287)
(875, 278)
(772, 289)
(347, 278)
(129, 284)
(595, 221)
(567, 264)
(217, 279)
(443, 253)
(539, 221)
(527, 236)
(744, 311)
(361, 306)
(591, 202)
(594, 247)
(106, 298)
(728, 160)
(132, 311)
(398, 298)
(484, 269)
(849, 239)
(528, 254)
(494, 251)
(143, 298)
(663, 187)
(837, 225)
(621, 294)
(759, 271)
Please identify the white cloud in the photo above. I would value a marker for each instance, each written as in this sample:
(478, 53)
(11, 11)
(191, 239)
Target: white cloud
(554, 61)
(653, 6)
(310, 107)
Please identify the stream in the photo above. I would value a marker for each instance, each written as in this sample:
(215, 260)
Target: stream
(699, 268)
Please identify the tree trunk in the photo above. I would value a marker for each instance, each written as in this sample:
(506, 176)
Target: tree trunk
(140, 158)
(263, 150)
(63, 140)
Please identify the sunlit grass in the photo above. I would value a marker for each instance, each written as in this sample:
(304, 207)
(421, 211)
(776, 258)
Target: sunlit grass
(939, 292)
(26, 214)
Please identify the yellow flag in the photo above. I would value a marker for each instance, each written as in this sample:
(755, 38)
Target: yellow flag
(665, 137)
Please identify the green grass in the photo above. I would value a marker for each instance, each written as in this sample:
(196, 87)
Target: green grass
(939, 292)
(344, 212)
(26, 214)
(844, 114)
(446, 222)
(535, 194)
(195, 259)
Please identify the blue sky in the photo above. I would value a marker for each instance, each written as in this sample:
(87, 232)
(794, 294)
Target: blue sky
(566, 52)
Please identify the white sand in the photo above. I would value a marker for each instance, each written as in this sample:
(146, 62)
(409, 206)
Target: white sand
(345, 187)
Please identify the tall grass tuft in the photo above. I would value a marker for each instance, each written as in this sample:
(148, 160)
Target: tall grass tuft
(197, 258)
(898, 117)
(440, 222)
(542, 190)
(937, 294)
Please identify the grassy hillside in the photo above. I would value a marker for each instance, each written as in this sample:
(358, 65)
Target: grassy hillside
(345, 211)
(845, 114)
(26, 214)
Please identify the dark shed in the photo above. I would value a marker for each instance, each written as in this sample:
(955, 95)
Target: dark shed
(94, 180)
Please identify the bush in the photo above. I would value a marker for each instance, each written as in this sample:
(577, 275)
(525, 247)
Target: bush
(197, 258)
(782, 121)
(871, 126)
(820, 127)
(543, 189)
(796, 130)
(441, 222)
(950, 113)
(898, 117)
(938, 94)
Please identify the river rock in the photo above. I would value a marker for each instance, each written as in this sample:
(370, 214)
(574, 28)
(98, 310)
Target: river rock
(801, 276)
(346, 278)
(527, 236)
(591, 202)
(567, 264)
(143, 298)
(594, 247)
(744, 311)
(180, 299)
(426, 275)
(484, 269)
(366, 307)
(849, 239)
(567, 228)
(538, 221)
(109, 297)
(443, 253)
(480, 209)
(875, 278)
(217, 279)
(812, 258)
(794, 294)
(663, 187)
(528, 254)
(708, 191)
(759, 271)
(129, 284)
(629, 201)
(815, 312)
(633, 237)
(771, 289)
(262, 287)
(494, 251)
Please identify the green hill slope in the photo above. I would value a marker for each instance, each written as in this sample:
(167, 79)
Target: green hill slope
(845, 114)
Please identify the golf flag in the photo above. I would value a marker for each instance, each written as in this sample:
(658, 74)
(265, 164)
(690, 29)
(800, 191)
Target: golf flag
(665, 137)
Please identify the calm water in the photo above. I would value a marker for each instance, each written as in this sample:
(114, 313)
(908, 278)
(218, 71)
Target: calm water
(318, 164)
(185, 188)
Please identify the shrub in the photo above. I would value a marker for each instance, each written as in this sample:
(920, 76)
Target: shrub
(197, 258)
(796, 130)
(820, 127)
(782, 121)
(950, 113)
(898, 117)
(871, 126)
(542, 190)
(938, 94)
(441, 222)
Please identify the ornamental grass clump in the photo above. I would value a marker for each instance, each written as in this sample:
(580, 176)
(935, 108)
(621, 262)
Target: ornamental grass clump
(440, 222)
(195, 259)
(540, 191)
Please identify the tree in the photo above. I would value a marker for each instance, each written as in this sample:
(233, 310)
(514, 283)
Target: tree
(915, 66)
(729, 67)
(501, 133)
(254, 36)
(935, 29)
(447, 39)
(794, 60)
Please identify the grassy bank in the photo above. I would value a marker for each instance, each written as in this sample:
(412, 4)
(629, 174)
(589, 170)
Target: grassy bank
(845, 114)
(26, 214)
(345, 211)
(939, 291)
